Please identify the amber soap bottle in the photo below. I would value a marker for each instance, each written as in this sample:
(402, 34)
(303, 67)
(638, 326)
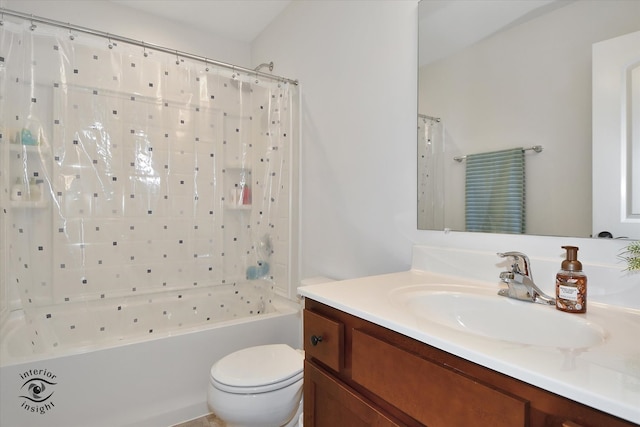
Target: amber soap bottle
(571, 284)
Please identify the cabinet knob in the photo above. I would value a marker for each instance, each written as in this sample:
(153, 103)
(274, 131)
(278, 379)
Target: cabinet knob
(315, 339)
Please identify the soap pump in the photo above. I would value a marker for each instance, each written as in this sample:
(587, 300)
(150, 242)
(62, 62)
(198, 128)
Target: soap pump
(571, 284)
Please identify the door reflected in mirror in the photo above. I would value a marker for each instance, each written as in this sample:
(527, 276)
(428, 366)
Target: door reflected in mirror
(524, 84)
(616, 135)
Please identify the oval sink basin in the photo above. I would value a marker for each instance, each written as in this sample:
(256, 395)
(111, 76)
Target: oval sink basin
(476, 312)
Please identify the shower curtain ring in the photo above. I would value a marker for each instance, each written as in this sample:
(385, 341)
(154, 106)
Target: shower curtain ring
(144, 50)
(33, 26)
(71, 35)
(206, 66)
(110, 45)
(177, 59)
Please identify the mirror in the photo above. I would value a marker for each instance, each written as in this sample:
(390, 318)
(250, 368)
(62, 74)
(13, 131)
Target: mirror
(504, 74)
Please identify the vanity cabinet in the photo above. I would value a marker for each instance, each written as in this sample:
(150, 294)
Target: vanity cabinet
(361, 374)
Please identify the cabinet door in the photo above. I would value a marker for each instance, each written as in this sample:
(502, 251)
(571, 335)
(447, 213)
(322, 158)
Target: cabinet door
(329, 403)
(433, 394)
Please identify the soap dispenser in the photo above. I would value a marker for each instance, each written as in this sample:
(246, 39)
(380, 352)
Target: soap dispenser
(571, 284)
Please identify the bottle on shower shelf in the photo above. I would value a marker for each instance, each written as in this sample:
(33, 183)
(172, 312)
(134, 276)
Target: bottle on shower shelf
(246, 194)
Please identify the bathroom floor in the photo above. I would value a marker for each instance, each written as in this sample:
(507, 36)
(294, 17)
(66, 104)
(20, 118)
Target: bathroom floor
(207, 421)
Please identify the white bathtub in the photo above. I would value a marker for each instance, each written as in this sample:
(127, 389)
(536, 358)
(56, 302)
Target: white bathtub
(152, 379)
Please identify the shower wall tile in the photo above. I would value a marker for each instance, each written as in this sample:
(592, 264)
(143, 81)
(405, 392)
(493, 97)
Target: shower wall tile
(180, 183)
(170, 277)
(108, 201)
(208, 127)
(66, 284)
(279, 271)
(205, 168)
(101, 230)
(183, 161)
(141, 76)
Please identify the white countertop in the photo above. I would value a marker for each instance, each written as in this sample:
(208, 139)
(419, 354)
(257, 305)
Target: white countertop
(605, 376)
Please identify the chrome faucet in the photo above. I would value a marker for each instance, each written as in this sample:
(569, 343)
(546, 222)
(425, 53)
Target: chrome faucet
(520, 281)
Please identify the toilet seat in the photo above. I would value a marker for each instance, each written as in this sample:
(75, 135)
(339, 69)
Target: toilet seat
(258, 369)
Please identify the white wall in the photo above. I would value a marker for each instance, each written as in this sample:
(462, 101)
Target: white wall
(357, 64)
(127, 22)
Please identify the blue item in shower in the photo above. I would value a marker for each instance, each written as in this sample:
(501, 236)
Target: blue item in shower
(255, 272)
(27, 138)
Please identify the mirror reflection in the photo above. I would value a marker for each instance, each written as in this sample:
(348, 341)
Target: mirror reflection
(616, 142)
(501, 75)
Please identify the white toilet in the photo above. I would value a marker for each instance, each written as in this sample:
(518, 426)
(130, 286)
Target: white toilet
(258, 387)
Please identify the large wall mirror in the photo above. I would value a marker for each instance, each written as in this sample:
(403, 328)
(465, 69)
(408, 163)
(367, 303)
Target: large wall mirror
(498, 75)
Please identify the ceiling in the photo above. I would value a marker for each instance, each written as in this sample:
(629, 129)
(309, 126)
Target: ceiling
(446, 26)
(239, 20)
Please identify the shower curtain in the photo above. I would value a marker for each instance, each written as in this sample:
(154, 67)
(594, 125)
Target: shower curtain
(128, 173)
(430, 174)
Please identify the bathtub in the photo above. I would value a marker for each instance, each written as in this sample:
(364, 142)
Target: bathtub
(152, 372)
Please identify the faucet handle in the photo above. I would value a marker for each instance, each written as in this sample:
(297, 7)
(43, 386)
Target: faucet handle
(505, 276)
(514, 254)
(517, 258)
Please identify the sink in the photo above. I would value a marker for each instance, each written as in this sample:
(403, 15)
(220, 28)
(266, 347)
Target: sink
(482, 312)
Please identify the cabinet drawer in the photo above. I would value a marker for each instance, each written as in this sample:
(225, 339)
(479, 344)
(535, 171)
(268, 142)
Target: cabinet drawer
(431, 393)
(324, 340)
(330, 403)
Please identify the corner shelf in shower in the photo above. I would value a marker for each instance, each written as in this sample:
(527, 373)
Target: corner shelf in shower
(237, 176)
(238, 207)
(42, 153)
(40, 149)
(39, 204)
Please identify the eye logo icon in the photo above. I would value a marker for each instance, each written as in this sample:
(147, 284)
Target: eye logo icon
(37, 390)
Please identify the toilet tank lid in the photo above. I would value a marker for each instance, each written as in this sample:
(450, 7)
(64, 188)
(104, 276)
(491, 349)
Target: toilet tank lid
(257, 366)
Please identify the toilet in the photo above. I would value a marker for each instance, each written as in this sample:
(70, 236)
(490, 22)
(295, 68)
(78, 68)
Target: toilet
(258, 387)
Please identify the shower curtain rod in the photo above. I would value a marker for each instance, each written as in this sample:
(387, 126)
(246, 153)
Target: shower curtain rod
(424, 116)
(536, 148)
(114, 37)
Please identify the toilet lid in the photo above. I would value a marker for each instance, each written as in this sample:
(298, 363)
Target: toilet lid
(258, 366)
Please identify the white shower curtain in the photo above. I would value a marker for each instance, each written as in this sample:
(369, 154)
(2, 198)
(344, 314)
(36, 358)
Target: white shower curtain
(430, 174)
(128, 171)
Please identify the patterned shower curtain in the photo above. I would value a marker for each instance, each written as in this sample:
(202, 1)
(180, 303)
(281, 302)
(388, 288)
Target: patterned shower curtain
(128, 173)
(430, 174)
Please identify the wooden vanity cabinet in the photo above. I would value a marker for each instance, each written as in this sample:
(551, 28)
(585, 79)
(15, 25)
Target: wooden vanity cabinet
(360, 374)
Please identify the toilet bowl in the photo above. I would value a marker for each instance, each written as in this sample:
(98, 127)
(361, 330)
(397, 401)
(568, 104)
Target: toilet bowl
(257, 387)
